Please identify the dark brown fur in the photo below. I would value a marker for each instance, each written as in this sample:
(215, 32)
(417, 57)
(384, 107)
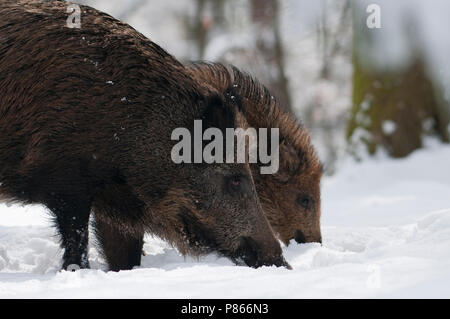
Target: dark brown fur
(291, 197)
(73, 141)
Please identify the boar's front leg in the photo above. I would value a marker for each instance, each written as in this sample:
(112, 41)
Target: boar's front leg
(72, 220)
(122, 250)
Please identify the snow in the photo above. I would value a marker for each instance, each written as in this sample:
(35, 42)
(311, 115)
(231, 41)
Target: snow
(386, 233)
(389, 127)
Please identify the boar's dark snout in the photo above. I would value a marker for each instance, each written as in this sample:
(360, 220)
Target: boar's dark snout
(300, 238)
(255, 254)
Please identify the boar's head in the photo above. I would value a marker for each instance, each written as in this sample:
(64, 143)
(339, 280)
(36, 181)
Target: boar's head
(291, 197)
(214, 207)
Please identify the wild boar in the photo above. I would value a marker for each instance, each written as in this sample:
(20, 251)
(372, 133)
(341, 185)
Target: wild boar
(86, 116)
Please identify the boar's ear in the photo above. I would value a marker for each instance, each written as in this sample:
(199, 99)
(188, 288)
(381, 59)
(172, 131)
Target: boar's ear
(290, 159)
(219, 113)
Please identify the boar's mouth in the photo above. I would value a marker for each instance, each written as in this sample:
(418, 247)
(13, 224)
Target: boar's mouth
(199, 238)
(246, 253)
(300, 237)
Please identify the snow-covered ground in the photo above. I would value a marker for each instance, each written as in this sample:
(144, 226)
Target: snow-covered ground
(386, 231)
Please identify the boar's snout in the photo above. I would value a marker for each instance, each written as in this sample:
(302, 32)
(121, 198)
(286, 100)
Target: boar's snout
(257, 254)
(300, 238)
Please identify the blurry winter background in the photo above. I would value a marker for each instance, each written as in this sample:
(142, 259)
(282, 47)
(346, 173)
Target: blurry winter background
(376, 101)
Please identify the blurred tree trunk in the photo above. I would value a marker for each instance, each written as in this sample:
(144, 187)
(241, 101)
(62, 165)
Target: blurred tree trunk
(209, 14)
(265, 16)
(394, 108)
(330, 35)
(198, 28)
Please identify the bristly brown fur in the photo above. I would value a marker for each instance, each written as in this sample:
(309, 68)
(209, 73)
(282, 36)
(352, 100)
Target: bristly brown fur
(300, 169)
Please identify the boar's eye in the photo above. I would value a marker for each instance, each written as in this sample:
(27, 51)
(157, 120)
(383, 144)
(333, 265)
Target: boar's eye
(304, 201)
